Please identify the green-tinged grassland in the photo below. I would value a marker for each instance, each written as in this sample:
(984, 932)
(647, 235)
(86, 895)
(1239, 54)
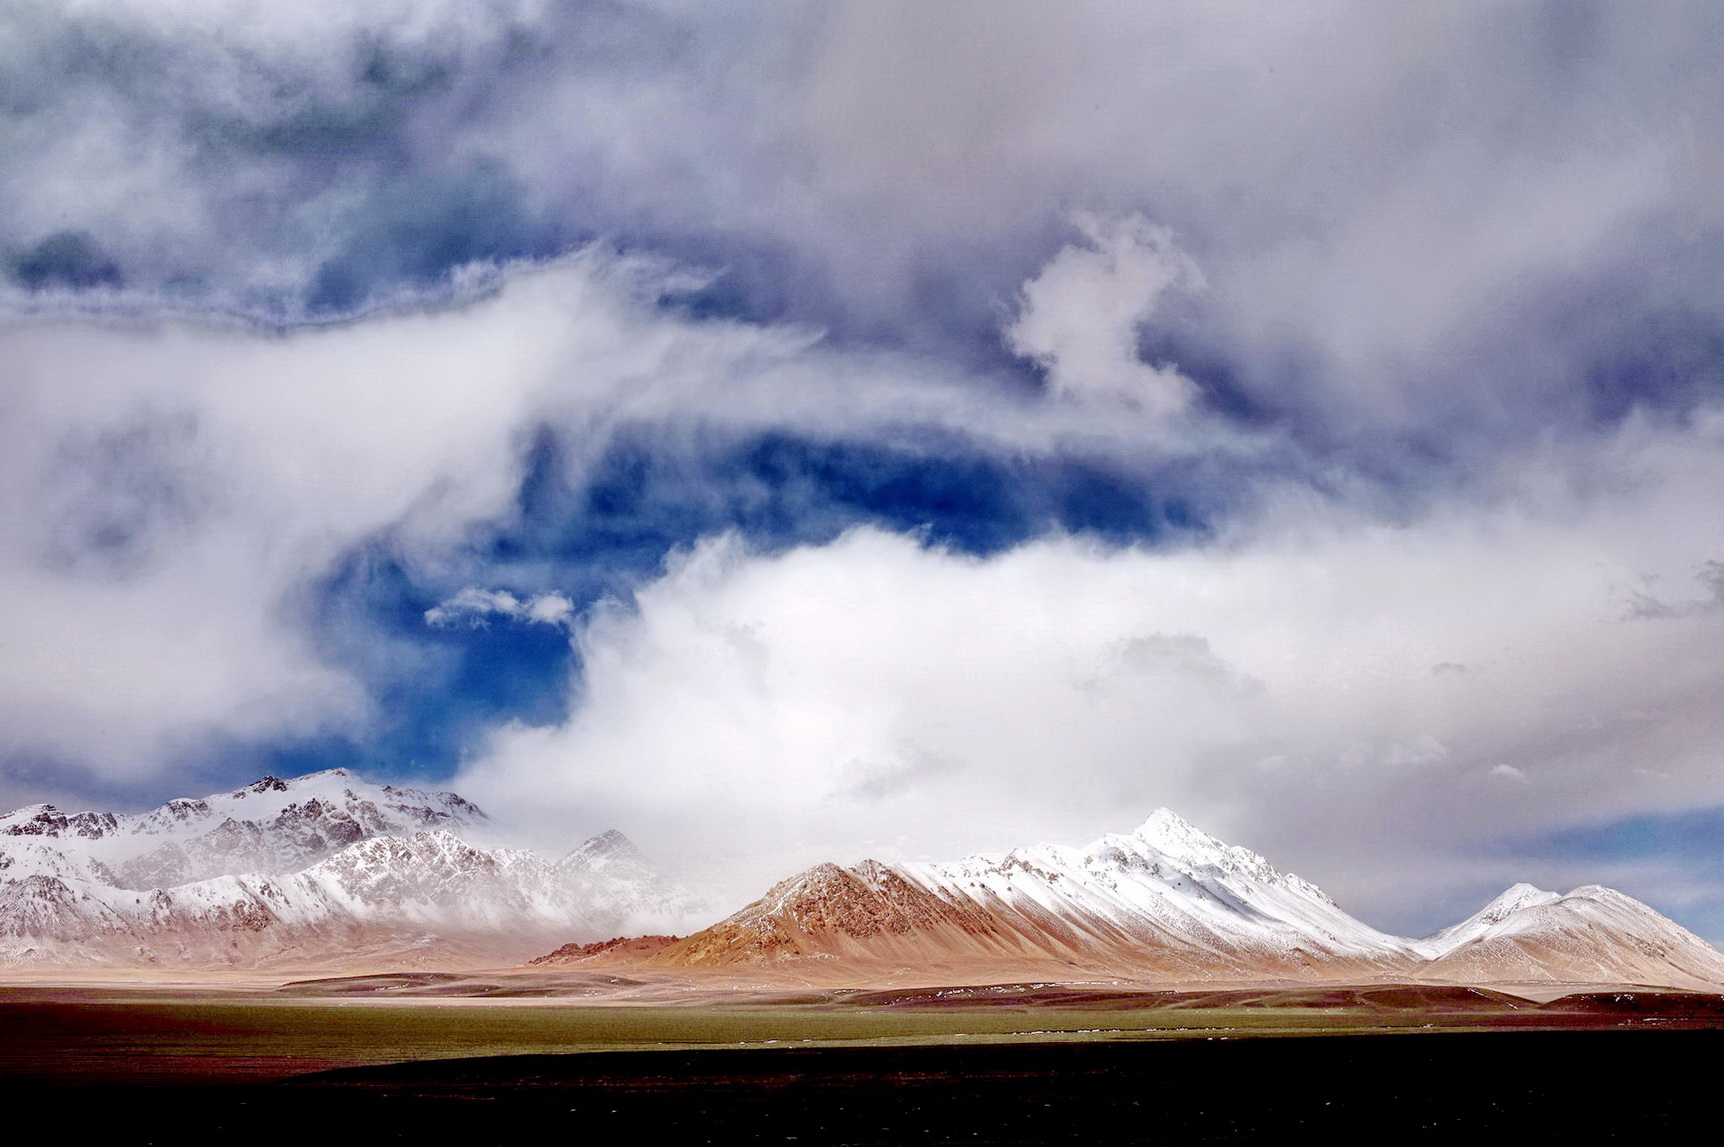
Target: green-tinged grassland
(161, 1036)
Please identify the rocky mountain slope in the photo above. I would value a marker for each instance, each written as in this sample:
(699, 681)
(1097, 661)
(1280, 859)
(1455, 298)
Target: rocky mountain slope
(322, 870)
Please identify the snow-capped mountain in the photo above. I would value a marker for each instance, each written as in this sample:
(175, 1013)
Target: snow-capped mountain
(610, 870)
(1169, 902)
(1591, 935)
(271, 825)
(322, 870)
(329, 870)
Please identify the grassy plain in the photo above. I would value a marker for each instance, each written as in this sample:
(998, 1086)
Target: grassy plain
(512, 1058)
(175, 1035)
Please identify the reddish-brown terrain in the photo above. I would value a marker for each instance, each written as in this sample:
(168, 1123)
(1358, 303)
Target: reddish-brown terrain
(622, 949)
(1167, 904)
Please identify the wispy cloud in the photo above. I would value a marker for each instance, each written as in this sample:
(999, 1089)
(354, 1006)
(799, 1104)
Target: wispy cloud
(478, 606)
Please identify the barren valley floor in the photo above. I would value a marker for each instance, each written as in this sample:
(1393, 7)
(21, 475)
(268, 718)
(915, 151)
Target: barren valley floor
(503, 1058)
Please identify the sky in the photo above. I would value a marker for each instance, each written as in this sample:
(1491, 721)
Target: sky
(802, 432)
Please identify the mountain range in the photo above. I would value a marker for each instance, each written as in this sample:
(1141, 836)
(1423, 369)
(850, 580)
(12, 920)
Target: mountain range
(1170, 903)
(331, 871)
(322, 870)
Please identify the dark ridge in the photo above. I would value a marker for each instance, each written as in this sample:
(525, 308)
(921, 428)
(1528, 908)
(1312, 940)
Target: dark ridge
(363, 985)
(1652, 1002)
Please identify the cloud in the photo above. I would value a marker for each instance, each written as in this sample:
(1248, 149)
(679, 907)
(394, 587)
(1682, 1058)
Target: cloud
(1276, 687)
(176, 490)
(521, 294)
(171, 492)
(1455, 223)
(1081, 314)
(476, 606)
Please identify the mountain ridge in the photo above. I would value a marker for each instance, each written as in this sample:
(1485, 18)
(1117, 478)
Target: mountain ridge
(349, 872)
(270, 825)
(317, 870)
(1170, 902)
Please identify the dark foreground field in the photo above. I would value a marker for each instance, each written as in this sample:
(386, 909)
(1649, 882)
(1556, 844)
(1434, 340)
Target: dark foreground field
(1578, 1087)
(1232, 1071)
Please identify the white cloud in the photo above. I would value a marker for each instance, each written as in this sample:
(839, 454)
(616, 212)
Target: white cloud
(1378, 194)
(473, 606)
(169, 491)
(1277, 687)
(1081, 314)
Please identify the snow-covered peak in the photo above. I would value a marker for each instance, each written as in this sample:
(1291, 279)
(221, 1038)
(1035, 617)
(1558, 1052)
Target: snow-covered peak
(1168, 897)
(47, 821)
(1590, 935)
(1170, 841)
(1517, 897)
(268, 797)
(324, 866)
(269, 826)
(1178, 839)
(1594, 892)
(31, 820)
(1508, 910)
(607, 850)
(29, 812)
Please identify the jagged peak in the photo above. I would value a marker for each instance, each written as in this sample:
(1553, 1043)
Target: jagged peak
(1173, 836)
(33, 820)
(826, 870)
(610, 840)
(608, 847)
(265, 796)
(819, 877)
(871, 871)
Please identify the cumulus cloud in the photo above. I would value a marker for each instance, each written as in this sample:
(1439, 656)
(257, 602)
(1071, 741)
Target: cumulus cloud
(1276, 687)
(1081, 314)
